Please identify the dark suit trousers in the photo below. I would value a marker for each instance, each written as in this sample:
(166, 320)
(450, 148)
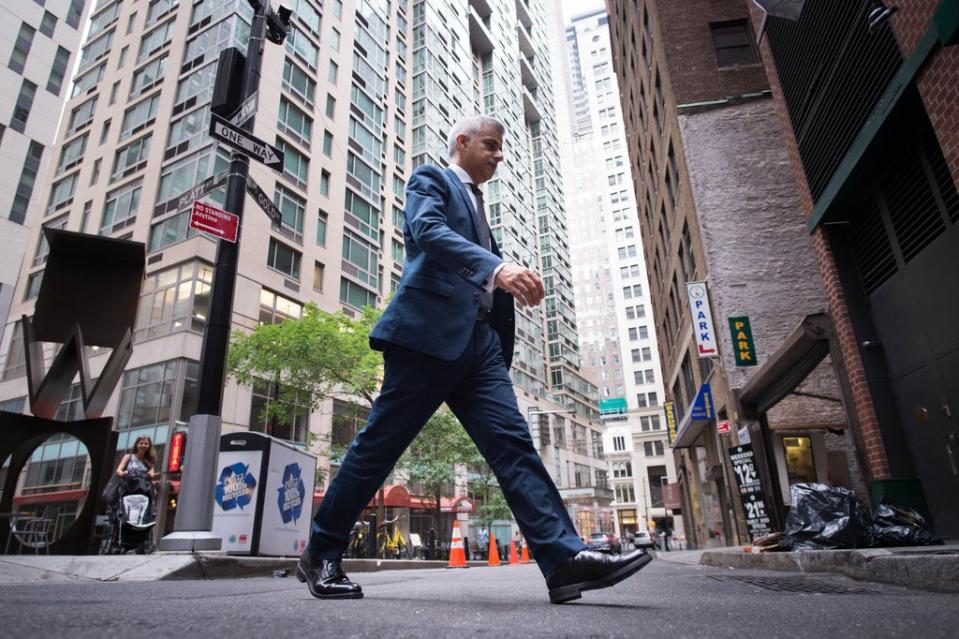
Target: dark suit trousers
(480, 393)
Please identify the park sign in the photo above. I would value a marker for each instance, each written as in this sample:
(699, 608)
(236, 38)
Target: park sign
(744, 348)
(213, 221)
(245, 142)
(703, 329)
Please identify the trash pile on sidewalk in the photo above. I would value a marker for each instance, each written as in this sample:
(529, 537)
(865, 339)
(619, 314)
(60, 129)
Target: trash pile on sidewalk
(827, 518)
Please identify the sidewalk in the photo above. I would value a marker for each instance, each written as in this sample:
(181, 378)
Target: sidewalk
(934, 568)
(32, 569)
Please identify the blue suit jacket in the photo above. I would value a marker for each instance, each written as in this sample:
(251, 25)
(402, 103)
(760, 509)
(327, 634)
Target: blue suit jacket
(435, 307)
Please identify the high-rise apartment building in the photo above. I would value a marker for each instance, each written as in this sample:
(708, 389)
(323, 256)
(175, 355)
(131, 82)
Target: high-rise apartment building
(360, 93)
(39, 40)
(614, 314)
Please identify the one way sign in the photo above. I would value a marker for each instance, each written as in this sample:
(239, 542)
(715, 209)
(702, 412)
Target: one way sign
(246, 142)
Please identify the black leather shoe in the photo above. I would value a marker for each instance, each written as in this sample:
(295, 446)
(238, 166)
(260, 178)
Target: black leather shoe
(589, 570)
(326, 580)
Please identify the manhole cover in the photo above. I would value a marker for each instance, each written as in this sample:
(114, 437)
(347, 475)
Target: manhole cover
(807, 585)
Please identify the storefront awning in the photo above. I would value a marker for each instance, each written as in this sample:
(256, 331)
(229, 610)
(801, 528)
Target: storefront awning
(800, 354)
(699, 413)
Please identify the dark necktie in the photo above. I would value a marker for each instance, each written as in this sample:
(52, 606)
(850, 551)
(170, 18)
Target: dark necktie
(486, 299)
(481, 213)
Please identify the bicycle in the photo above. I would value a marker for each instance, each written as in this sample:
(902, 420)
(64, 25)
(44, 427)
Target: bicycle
(358, 545)
(391, 546)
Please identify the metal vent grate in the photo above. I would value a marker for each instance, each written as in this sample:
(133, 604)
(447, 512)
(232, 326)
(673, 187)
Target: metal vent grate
(913, 210)
(871, 247)
(833, 73)
(802, 585)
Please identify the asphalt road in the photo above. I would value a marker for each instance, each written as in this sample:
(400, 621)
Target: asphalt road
(664, 600)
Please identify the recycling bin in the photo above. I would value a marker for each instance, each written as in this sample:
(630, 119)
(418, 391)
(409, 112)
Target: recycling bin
(263, 495)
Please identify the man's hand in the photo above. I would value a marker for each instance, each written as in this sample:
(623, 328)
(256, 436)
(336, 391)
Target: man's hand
(522, 283)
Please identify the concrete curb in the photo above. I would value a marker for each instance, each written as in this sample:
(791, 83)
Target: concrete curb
(921, 568)
(213, 566)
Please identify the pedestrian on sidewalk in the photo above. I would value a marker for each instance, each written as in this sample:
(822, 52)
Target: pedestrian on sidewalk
(447, 336)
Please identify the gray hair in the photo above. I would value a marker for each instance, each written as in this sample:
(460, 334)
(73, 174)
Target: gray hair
(472, 125)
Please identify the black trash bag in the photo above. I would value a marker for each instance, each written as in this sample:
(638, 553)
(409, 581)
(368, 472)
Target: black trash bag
(825, 518)
(894, 526)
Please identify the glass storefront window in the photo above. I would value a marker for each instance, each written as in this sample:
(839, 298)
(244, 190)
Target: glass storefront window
(800, 465)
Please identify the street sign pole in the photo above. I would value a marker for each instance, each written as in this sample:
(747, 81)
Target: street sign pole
(194, 519)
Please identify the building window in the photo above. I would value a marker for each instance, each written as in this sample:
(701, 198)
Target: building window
(298, 82)
(21, 111)
(28, 178)
(348, 419)
(321, 228)
(354, 295)
(88, 79)
(275, 309)
(291, 423)
(330, 106)
(295, 123)
(296, 165)
(619, 443)
(139, 116)
(283, 259)
(653, 448)
(33, 285)
(335, 39)
(43, 247)
(170, 231)
(21, 48)
(58, 71)
(325, 183)
(121, 206)
(147, 405)
(649, 423)
(293, 210)
(318, 277)
(131, 158)
(174, 299)
(332, 72)
(62, 193)
(327, 143)
(733, 42)
(147, 77)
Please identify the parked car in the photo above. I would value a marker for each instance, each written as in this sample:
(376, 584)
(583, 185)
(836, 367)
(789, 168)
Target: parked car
(604, 542)
(642, 539)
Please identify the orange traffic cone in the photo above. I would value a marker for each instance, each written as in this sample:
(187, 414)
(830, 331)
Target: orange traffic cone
(457, 554)
(524, 558)
(493, 552)
(513, 557)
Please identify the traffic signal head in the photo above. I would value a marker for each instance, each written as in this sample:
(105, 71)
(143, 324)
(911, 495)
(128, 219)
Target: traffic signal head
(278, 24)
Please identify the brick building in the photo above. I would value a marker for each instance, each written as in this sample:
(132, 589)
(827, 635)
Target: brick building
(718, 205)
(870, 105)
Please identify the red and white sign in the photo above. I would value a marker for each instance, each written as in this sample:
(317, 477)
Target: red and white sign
(209, 219)
(722, 427)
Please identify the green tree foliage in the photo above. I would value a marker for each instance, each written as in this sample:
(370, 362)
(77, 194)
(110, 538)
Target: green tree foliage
(310, 359)
(430, 461)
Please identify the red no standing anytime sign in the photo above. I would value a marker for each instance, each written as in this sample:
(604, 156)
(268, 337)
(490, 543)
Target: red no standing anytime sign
(211, 220)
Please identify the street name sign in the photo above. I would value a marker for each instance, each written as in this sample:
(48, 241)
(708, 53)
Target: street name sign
(264, 201)
(245, 111)
(209, 219)
(245, 142)
(203, 188)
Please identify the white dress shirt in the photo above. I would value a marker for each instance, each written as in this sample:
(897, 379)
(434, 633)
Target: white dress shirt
(489, 283)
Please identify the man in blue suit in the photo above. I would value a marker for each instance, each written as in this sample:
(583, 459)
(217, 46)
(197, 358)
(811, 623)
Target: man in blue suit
(447, 336)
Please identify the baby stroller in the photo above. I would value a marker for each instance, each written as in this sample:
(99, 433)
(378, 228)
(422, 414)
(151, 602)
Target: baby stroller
(132, 512)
